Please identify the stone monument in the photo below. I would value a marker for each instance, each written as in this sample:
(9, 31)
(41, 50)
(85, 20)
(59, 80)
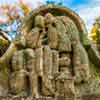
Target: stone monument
(50, 58)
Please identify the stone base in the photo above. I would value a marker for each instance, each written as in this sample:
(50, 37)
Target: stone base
(91, 97)
(84, 97)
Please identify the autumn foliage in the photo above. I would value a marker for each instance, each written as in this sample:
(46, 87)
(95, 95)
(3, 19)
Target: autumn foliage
(17, 11)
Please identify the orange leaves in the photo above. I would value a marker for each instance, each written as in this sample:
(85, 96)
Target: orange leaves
(15, 12)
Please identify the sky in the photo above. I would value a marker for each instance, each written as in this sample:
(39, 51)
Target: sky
(88, 10)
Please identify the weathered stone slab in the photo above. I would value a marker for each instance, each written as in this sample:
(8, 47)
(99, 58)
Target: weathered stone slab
(55, 62)
(52, 37)
(18, 83)
(47, 72)
(64, 61)
(39, 61)
(18, 61)
(30, 60)
(47, 61)
(33, 38)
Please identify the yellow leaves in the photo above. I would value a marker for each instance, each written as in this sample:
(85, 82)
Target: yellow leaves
(16, 11)
(98, 19)
(24, 7)
(6, 7)
(95, 29)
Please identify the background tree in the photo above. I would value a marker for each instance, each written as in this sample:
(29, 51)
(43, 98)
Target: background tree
(95, 33)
